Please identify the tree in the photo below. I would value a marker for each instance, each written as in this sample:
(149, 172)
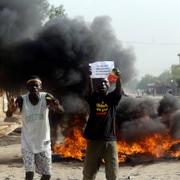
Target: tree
(176, 73)
(165, 77)
(166, 80)
(147, 79)
(56, 12)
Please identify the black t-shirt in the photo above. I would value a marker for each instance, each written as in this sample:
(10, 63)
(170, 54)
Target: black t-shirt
(101, 122)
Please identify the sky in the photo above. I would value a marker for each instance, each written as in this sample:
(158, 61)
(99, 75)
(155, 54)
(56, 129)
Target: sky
(151, 28)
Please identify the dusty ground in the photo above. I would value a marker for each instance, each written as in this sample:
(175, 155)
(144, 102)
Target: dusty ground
(11, 166)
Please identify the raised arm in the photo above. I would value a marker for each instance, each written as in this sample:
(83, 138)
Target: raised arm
(54, 103)
(118, 88)
(14, 105)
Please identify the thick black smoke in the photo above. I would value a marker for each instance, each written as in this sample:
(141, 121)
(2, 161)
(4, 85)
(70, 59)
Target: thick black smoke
(175, 125)
(130, 109)
(140, 128)
(137, 118)
(168, 104)
(20, 19)
(59, 52)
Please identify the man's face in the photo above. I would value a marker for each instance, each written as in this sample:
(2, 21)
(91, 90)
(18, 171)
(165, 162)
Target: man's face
(34, 87)
(102, 85)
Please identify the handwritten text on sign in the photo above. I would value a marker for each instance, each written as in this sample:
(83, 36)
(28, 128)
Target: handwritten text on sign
(101, 69)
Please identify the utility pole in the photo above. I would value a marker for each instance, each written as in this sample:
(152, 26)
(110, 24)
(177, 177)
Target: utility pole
(179, 57)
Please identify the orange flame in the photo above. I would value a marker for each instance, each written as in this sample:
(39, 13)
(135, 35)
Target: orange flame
(157, 145)
(74, 144)
(73, 147)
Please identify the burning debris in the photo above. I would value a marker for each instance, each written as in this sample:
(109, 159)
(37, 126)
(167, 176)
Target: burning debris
(57, 52)
(144, 130)
(74, 145)
(141, 132)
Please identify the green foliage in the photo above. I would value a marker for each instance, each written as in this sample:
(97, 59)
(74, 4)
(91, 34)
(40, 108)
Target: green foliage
(176, 73)
(165, 77)
(147, 79)
(56, 12)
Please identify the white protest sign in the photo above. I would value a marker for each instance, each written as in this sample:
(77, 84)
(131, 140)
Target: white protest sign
(101, 69)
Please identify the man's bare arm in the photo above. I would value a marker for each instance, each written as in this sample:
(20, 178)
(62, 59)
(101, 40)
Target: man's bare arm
(54, 103)
(118, 88)
(14, 105)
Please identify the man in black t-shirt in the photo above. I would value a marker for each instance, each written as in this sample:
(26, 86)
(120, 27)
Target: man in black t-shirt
(100, 129)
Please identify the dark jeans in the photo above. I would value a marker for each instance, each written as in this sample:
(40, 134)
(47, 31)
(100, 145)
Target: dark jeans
(96, 151)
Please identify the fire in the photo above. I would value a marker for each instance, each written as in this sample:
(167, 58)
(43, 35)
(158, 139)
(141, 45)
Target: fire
(156, 145)
(74, 144)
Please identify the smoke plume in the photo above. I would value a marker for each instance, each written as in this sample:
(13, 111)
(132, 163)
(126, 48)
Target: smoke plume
(140, 128)
(168, 104)
(56, 51)
(175, 125)
(130, 109)
(138, 118)
(20, 19)
(59, 51)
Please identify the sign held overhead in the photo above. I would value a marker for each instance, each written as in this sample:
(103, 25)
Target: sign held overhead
(101, 69)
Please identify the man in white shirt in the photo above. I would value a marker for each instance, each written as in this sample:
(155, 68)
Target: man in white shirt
(35, 135)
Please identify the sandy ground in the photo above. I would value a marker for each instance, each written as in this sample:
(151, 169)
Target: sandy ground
(11, 166)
